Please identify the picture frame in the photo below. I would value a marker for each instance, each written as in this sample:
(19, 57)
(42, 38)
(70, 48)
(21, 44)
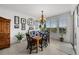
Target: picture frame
(30, 21)
(16, 25)
(23, 21)
(16, 19)
(77, 15)
(78, 9)
(78, 21)
(31, 28)
(23, 26)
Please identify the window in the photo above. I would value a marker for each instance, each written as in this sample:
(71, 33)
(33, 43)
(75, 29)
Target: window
(48, 23)
(53, 25)
(62, 24)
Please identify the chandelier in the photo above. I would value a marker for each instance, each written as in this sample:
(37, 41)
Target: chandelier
(42, 19)
(42, 25)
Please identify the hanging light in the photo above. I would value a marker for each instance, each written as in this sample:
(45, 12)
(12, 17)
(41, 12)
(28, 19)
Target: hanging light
(42, 25)
(42, 19)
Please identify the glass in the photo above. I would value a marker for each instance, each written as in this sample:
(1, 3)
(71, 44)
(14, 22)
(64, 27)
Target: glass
(62, 24)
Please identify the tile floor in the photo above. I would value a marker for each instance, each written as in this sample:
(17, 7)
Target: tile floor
(54, 48)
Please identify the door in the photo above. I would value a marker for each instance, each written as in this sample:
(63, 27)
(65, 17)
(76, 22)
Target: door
(4, 33)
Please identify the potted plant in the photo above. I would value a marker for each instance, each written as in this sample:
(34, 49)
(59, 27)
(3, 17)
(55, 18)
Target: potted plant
(62, 32)
(19, 37)
(61, 37)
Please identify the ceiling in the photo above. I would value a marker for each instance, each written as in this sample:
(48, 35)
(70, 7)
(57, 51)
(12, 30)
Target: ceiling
(35, 9)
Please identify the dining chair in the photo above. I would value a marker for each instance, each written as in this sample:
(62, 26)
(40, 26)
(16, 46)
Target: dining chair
(32, 44)
(27, 37)
(48, 35)
(45, 40)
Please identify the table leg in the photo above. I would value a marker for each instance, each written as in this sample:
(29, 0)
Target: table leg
(41, 45)
(37, 45)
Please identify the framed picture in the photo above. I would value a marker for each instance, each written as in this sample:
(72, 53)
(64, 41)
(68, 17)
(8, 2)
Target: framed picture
(31, 28)
(78, 9)
(23, 21)
(16, 25)
(16, 19)
(23, 26)
(78, 21)
(78, 15)
(30, 21)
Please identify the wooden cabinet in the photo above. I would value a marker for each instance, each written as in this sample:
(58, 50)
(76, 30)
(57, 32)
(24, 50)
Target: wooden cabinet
(4, 33)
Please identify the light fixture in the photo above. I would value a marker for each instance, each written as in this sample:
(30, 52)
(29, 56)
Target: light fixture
(42, 19)
(42, 25)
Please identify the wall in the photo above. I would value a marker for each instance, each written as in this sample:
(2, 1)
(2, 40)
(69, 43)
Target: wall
(9, 14)
(77, 36)
(68, 37)
(76, 28)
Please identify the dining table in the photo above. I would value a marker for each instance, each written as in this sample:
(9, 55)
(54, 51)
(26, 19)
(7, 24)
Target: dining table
(38, 38)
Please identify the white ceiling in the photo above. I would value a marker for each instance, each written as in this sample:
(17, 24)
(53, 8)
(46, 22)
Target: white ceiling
(35, 9)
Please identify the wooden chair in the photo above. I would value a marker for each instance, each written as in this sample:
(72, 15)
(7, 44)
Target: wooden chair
(27, 37)
(45, 39)
(32, 44)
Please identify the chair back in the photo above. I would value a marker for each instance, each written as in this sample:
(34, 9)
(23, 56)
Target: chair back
(44, 36)
(27, 37)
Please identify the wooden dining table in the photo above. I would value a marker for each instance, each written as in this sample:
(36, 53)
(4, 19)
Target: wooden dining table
(38, 38)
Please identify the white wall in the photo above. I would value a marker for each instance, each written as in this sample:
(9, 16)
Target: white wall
(68, 37)
(76, 31)
(77, 36)
(6, 13)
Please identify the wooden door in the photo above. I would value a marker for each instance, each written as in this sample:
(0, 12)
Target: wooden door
(0, 25)
(4, 33)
